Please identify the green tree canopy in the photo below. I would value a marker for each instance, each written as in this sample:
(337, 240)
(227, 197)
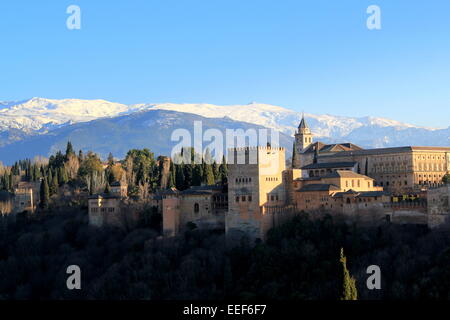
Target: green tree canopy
(90, 164)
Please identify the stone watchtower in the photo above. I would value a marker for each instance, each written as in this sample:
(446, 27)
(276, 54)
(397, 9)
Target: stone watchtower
(303, 139)
(255, 180)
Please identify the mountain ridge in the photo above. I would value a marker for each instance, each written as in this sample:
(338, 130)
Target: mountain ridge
(79, 110)
(21, 121)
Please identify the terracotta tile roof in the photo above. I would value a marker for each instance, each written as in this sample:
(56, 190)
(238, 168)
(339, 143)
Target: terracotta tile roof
(318, 187)
(337, 147)
(345, 174)
(329, 165)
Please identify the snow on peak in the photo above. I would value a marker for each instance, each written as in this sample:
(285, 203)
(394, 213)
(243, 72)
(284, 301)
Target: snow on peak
(41, 113)
(36, 112)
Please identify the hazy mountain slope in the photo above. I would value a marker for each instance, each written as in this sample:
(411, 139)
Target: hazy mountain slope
(151, 129)
(38, 116)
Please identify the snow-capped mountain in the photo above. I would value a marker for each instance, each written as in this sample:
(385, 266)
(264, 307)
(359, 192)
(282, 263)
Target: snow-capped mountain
(147, 129)
(281, 119)
(38, 116)
(41, 113)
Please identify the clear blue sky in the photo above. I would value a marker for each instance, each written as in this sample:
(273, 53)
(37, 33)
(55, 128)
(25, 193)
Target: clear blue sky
(316, 56)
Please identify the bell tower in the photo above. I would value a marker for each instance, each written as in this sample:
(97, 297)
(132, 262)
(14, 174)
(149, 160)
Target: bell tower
(303, 139)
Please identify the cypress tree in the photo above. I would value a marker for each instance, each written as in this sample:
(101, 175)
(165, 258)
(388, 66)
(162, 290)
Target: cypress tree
(54, 184)
(366, 171)
(215, 170)
(11, 181)
(197, 175)
(44, 194)
(37, 173)
(223, 170)
(63, 178)
(208, 176)
(172, 181)
(179, 176)
(4, 182)
(349, 291)
(69, 149)
(49, 177)
(294, 155)
(187, 171)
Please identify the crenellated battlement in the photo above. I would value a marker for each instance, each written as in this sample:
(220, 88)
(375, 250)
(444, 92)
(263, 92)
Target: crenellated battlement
(256, 148)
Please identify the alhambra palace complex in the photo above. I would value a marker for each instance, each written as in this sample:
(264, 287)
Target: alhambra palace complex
(335, 178)
(396, 185)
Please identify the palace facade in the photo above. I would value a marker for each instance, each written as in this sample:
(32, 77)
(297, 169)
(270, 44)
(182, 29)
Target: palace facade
(401, 170)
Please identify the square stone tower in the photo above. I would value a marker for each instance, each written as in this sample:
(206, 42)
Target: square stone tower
(303, 139)
(255, 181)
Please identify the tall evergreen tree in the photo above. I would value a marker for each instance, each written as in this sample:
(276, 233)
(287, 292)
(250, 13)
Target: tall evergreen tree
(223, 170)
(197, 175)
(49, 175)
(366, 167)
(208, 176)
(172, 181)
(294, 155)
(38, 173)
(54, 184)
(44, 194)
(179, 176)
(62, 176)
(216, 173)
(349, 291)
(11, 181)
(188, 174)
(69, 149)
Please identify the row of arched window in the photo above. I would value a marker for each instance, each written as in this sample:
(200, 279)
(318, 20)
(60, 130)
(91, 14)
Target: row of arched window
(354, 184)
(430, 167)
(244, 198)
(243, 180)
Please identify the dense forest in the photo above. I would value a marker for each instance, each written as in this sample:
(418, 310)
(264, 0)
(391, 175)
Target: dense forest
(140, 170)
(299, 261)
